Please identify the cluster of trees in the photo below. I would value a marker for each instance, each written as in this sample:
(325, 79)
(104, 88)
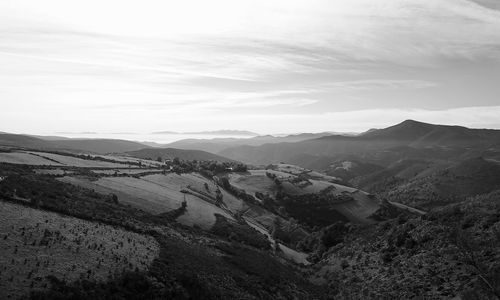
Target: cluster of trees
(208, 168)
(320, 241)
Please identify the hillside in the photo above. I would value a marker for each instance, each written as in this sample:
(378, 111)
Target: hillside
(442, 186)
(20, 140)
(305, 196)
(450, 252)
(171, 153)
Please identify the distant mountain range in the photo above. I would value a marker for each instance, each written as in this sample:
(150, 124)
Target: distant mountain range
(219, 144)
(216, 132)
(407, 138)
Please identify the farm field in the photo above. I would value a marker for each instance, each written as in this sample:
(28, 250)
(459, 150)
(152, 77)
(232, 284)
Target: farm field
(37, 158)
(196, 182)
(77, 162)
(36, 243)
(128, 159)
(257, 181)
(25, 159)
(157, 194)
(125, 171)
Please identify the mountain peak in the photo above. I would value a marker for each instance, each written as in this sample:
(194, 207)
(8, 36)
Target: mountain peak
(408, 129)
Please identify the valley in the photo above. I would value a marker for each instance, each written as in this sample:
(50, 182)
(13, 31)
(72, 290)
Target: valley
(350, 226)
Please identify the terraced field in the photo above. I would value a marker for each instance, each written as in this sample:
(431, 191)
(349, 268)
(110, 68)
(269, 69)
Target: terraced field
(35, 244)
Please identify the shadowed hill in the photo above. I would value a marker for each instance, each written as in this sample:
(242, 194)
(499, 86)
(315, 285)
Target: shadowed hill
(464, 179)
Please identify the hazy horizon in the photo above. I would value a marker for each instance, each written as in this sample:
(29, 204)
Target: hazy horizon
(267, 67)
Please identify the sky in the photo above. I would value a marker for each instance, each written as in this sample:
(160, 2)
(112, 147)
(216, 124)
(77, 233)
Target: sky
(268, 66)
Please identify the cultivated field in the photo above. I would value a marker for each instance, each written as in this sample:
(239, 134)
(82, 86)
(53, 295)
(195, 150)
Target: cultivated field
(126, 171)
(257, 181)
(161, 193)
(127, 159)
(25, 159)
(77, 162)
(35, 244)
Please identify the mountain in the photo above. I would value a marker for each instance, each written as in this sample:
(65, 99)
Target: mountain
(182, 154)
(407, 137)
(418, 134)
(219, 144)
(100, 146)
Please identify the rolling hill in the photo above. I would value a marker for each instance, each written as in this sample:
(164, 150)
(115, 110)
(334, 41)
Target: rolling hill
(99, 146)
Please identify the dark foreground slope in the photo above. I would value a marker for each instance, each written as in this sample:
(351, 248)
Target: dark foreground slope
(453, 251)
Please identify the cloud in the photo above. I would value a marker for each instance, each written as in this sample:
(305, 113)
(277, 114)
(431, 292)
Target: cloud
(241, 58)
